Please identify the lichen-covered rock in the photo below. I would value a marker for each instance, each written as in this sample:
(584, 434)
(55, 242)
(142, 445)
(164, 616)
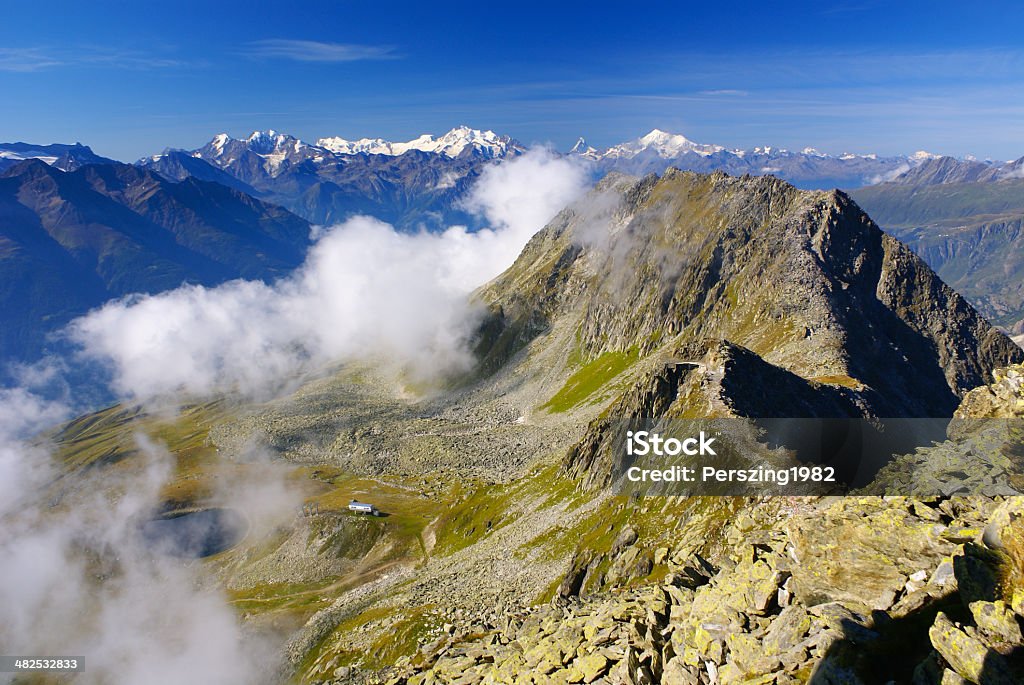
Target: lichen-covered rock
(731, 628)
(997, 622)
(859, 553)
(587, 669)
(787, 630)
(1004, 398)
(972, 659)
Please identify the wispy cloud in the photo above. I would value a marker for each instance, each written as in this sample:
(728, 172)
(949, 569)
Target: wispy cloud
(315, 51)
(724, 91)
(26, 59)
(848, 8)
(38, 58)
(131, 60)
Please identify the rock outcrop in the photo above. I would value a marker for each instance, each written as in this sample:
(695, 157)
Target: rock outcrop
(1002, 399)
(852, 591)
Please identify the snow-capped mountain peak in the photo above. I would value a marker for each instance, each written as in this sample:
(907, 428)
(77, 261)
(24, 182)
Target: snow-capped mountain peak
(219, 141)
(663, 144)
(271, 142)
(451, 144)
(582, 149)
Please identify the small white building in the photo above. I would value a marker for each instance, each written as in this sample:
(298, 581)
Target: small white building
(363, 508)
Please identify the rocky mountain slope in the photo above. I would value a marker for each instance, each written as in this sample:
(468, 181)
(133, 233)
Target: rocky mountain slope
(923, 591)
(805, 280)
(71, 240)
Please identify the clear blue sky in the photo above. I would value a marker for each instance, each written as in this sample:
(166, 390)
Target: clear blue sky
(130, 78)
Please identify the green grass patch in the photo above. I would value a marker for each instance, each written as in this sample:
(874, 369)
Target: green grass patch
(300, 598)
(479, 509)
(591, 378)
(396, 633)
(844, 381)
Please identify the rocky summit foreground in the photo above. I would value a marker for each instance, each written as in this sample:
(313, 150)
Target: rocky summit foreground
(855, 589)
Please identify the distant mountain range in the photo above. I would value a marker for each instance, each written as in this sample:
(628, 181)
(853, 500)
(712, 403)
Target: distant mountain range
(947, 170)
(64, 157)
(71, 240)
(808, 168)
(412, 185)
(77, 228)
(317, 180)
(458, 141)
(417, 183)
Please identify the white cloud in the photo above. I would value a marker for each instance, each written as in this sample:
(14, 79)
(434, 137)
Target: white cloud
(315, 51)
(26, 59)
(82, 580)
(364, 290)
(1014, 169)
(889, 175)
(32, 59)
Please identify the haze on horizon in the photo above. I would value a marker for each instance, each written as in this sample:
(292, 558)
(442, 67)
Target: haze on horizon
(858, 76)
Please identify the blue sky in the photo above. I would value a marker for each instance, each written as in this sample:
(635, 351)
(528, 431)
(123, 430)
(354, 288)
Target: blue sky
(130, 78)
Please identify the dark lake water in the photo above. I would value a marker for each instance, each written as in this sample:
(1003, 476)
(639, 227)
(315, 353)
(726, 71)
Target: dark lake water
(194, 534)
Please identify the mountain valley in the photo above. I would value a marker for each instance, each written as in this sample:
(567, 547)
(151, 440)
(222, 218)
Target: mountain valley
(504, 555)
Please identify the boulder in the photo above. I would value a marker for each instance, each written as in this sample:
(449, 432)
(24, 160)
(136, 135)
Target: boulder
(968, 656)
(997, 622)
(845, 556)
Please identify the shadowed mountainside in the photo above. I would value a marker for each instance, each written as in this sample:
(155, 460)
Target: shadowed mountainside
(72, 240)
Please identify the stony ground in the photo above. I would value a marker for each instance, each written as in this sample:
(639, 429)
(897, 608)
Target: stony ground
(820, 596)
(854, 589)
(366, 421)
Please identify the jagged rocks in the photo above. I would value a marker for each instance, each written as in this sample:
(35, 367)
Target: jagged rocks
(730, 627)
(997, 622)
(1004, 398)
(862, 553)
(968, 656)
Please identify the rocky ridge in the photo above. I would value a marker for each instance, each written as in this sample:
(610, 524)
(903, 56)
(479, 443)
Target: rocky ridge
(804, 280)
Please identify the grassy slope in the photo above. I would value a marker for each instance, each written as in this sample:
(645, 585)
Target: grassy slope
(592, 377)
